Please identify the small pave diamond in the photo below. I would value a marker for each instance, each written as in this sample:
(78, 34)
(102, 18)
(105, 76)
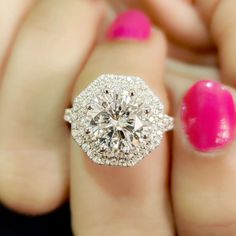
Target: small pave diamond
(118, 120)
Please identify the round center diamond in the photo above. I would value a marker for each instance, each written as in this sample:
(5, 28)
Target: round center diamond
(118, 120)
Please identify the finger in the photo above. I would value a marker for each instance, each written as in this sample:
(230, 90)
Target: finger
(222, 22)
(50, 50)
(124, 201)
(12, 13)
(204, 167)
(181, 22)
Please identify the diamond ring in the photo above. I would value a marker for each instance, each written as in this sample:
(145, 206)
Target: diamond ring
(117, 120)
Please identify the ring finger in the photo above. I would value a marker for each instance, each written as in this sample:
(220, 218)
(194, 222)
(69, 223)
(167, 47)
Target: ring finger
(124, 201)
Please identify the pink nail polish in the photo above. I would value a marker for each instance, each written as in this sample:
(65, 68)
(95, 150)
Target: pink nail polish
(132, 24)
(208, 115)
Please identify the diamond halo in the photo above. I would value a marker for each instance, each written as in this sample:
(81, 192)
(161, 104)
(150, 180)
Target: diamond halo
(117, 120)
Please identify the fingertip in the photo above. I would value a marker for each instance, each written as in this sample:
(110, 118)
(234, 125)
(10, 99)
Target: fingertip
(132, 24)
(35, 188)
(33, 203)
(203, 160)
(208, 116)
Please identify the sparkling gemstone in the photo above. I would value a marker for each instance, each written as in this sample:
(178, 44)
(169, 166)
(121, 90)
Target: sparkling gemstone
(118, 125)
(118, 120)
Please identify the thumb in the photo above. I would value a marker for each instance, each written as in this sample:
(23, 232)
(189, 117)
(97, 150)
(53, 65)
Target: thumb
(221, 18)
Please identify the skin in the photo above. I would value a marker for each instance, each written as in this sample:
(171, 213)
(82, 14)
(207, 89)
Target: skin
(48, 60)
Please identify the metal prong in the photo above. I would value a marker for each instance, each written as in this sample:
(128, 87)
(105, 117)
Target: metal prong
(67, 116)
(168, 122)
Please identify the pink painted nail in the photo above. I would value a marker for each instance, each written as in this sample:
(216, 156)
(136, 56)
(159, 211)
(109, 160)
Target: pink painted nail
(208, 115)
(132, 24)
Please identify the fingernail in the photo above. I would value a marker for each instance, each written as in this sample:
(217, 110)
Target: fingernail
(132, 24)
(208, 116)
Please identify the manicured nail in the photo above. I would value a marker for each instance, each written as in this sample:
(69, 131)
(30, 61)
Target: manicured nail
(132, 24)
(208, 115)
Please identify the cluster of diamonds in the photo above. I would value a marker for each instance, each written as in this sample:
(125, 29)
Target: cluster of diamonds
(118, 120)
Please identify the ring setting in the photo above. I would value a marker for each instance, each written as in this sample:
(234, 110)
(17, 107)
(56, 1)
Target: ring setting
(117, 120)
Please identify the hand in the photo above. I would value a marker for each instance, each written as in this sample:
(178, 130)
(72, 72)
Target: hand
(202, 189)
(104, 201)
